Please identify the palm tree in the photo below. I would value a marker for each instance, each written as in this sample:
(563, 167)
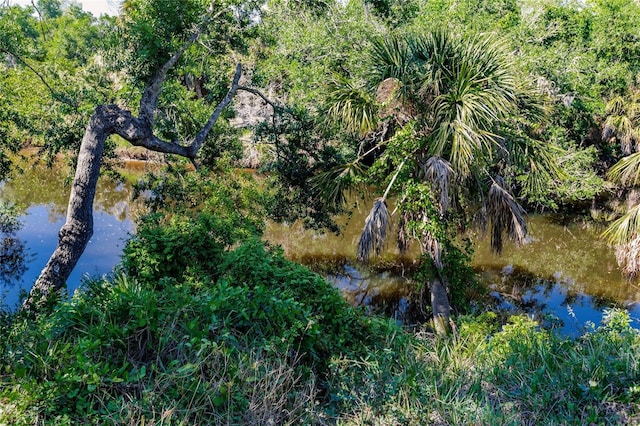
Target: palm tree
(623, 122)
(437, 115)
(623, 125)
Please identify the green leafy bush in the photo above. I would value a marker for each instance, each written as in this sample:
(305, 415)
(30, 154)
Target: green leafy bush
(203, 321)
(184, 247)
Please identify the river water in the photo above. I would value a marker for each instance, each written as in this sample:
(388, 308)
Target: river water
(565, 269)
(41, 195)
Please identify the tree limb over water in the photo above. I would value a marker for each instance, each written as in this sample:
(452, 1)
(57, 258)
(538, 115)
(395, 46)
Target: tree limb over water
(110, 120)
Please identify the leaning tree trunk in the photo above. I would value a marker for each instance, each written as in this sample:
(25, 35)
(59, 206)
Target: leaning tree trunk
(76, 232)
(106, 121)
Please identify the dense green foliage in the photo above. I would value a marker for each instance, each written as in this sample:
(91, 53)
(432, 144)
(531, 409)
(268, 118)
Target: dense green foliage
(51, 77)
(125, 351)
(197, 291)
(206, 324)
(525, 102)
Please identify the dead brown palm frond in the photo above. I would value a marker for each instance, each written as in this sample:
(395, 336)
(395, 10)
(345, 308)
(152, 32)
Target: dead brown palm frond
(392, 104)
(506, 215)
(608, 132)
(377, 223)
(624, 234)
(439, 172)
(374, 233)
(403, 236)
(628, 257)
(433, 248)
(627, 144)
(481, 219)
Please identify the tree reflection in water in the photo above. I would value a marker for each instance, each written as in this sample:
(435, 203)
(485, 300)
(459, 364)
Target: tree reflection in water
(13, 255)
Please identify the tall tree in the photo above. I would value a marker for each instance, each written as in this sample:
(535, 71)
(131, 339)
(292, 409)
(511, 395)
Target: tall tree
(160, 32)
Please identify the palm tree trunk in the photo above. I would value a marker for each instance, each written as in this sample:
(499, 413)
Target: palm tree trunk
(440, 305)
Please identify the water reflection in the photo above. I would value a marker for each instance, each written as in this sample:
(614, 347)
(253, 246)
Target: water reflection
(571, 309)
(568, 253)
(13, 259)
(41, 195)
(565, 270)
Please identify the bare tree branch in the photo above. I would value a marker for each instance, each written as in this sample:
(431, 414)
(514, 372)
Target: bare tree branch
(149, 100)
(257, 92)
(139, 133)
(202, 134)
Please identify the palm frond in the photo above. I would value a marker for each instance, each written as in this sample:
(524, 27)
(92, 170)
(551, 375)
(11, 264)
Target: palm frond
(616, 106)
(533, 105)
(403, 235)
(627, 170)
(623, 122)
(608, 132)
(390, 58)
(433, 248)
(334, 184)
(374, 233)
(624, 234)
(538, 159)
(624, 229)
(628, 257)
(627, 144)
(472, 94)
(439, 172)
(506, 216)
(352, 106)
(481, 218)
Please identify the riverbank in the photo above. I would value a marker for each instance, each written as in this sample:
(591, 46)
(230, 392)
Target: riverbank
(564, 271)
(129, 350)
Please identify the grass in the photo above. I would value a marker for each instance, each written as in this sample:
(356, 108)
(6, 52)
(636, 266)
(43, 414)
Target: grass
(510, 375)
(143, 362)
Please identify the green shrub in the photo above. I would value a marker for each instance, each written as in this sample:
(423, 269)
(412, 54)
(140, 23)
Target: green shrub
(192, 335)
(183, 247)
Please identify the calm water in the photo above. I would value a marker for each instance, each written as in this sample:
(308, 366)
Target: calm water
(41, 195)
(564, 269)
